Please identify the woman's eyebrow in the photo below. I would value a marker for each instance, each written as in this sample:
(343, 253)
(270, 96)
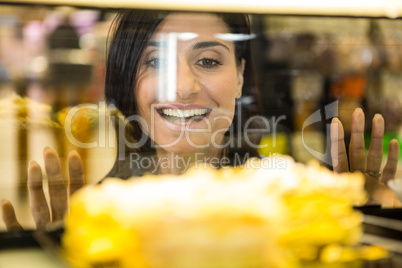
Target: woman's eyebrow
(156, 44)
(209, 44)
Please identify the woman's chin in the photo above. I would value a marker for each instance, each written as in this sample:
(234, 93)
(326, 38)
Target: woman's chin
(186, 149)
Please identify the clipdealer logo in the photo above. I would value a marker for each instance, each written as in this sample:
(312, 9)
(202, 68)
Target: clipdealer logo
(330, 111)
(108, 125)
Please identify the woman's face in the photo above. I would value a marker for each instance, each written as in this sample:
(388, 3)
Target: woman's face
(203, 81)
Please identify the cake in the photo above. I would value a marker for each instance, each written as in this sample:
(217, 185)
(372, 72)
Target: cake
(248, 216)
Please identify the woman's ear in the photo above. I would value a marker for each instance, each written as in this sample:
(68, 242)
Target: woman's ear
(240, 78)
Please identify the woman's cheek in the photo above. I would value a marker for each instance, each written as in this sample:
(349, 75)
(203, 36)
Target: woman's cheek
(223, 91)
(146, 94)
(145, 97)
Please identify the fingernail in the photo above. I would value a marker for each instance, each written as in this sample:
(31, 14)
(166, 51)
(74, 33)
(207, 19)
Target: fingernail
(335, 119)
(73, 152)
(360, 116)
(394, 141)
(377, 115)
(359, 112)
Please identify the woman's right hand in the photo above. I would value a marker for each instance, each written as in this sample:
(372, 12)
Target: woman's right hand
(42, 214)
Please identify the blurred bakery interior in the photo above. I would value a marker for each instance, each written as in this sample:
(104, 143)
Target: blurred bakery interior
(308, 59)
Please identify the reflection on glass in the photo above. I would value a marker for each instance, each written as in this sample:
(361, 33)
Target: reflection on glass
(53, 60)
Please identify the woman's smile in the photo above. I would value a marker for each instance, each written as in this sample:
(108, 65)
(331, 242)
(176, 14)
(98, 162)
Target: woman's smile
(183, 115)
(175, 116)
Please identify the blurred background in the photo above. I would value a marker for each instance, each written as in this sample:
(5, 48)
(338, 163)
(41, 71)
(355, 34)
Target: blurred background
(52, 58)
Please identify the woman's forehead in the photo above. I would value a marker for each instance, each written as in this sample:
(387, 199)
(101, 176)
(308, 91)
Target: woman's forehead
(202, 24)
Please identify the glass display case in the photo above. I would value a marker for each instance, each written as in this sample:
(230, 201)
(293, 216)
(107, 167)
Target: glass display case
(74, 86)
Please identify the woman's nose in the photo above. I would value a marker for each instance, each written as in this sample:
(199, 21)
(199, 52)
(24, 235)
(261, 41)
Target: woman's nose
(186, 84)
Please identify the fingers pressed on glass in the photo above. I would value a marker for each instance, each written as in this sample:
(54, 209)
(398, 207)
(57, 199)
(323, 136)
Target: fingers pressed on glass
(39, 206)
(9, 218)
(357, 151)
(57, 185)
(392, 162)
(338, 149)
(75, 171)
(374, 156)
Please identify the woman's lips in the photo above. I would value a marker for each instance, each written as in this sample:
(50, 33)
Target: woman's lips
(177, 116)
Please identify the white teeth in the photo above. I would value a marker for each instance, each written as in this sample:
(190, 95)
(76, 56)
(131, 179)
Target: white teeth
(184, 113)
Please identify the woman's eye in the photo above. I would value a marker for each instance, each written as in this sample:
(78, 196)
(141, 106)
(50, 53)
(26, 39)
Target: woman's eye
(208, 63)
(156, 63)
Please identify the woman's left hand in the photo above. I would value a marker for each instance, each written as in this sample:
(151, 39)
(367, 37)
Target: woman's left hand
(370, 165)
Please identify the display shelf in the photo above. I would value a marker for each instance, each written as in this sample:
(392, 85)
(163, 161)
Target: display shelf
(365, 8)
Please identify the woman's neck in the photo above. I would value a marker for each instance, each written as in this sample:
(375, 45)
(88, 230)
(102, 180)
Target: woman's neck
(174, 163)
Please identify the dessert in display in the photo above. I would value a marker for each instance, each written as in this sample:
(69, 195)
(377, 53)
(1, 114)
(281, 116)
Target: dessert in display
(289, 215)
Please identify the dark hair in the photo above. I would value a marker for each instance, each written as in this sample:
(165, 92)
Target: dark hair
(132, 30)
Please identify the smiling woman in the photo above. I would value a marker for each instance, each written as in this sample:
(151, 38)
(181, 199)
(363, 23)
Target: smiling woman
(183, 74)
(208, 79)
